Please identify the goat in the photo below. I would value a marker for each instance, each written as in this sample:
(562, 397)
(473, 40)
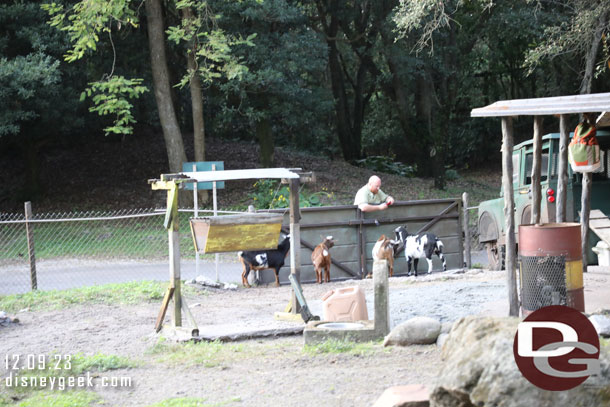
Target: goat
(321, 259)
(416, 246)
(385, 249)
(264, 259)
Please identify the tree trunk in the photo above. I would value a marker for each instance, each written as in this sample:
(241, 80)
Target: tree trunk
(167, 115)
(591, 56)
(265, 141)
(423, 124)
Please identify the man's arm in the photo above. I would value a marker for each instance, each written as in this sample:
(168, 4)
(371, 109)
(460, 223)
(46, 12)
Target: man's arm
(364, 207)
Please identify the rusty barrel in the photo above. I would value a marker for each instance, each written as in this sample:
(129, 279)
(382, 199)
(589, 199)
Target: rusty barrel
(550, 266)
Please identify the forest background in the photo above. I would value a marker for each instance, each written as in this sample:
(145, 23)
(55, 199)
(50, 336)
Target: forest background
(386, 85)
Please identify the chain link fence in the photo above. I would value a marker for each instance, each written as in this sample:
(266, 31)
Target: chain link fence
(74, 249)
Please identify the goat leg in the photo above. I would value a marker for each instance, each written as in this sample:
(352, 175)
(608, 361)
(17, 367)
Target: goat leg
(327, 274)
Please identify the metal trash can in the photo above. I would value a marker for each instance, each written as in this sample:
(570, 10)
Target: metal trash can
(550, 266)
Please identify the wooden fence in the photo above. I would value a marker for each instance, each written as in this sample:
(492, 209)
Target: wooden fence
(356, 232)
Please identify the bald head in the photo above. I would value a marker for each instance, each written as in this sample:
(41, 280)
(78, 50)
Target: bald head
(374, 184)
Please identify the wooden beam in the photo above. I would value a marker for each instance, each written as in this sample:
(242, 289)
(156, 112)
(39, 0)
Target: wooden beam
(562, 170)
(173, 231)
(466, 217)
(536, 166)
(585, 209)
(509, 210)
(168, 296)
(295, 239)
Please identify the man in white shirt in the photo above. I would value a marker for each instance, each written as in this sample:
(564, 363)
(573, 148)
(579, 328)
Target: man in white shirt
(371, 198)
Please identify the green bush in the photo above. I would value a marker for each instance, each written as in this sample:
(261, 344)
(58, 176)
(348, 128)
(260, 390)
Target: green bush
(385, 164)
(269, 194)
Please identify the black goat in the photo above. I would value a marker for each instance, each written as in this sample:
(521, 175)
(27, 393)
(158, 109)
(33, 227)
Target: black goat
(264, 259)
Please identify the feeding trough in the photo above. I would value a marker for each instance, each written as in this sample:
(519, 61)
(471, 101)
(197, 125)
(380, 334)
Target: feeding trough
(256, 231)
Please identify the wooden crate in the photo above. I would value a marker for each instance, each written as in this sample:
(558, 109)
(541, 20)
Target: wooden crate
(216, 234)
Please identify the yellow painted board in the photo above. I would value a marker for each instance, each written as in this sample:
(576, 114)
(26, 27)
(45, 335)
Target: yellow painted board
(242, 237)
(574, 278)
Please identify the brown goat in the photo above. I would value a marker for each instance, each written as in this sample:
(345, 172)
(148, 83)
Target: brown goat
(384, 250)
(321, 259)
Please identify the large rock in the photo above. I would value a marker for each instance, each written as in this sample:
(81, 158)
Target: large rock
(412, 395)
(479, 370)
(601, 324)
(418, 330)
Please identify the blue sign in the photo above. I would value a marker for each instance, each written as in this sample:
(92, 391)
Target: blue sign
(203, 166)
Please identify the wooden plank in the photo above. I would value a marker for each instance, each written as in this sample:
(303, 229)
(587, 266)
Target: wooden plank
(166, 299)
(254, 173)
(600, 224)
(466, 216)
(509, 210)
(231, 238)
(562, 170)
(536, 167)
(242, 336)
(241, 219)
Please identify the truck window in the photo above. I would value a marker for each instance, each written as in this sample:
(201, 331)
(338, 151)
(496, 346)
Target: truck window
(544, 167)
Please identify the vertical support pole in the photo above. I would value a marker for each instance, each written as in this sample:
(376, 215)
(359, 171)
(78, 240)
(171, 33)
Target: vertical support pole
(536, 166)
(509, 214)
(562, 170)
(585, 209)
(196, 214)
(361, 243)
(466, 230)
(460, 229)
(295, 239)
(215, 208)
(29, 230)
(174, 252)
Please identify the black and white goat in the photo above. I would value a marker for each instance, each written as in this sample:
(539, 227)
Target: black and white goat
(264, 259)
(416, 246)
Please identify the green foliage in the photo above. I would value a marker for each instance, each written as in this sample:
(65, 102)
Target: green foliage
(111, 97)
(121, 293)
(387, 165)
(270, 194)
(98, 363)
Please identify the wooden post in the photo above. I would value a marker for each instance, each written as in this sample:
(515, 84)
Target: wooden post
(295, 240)
(174, 252)
(537, 153)
(585, 209)
(509, 211)
(466, 230)
(29, 230)
(562, 170)
(215, 208)
(196, 214)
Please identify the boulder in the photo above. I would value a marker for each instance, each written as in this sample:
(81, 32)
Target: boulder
(442, 338)
(418, 330)
(413, 395)
(601, 324)
(479, 370)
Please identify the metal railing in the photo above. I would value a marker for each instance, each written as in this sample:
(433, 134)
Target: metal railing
(69, 249)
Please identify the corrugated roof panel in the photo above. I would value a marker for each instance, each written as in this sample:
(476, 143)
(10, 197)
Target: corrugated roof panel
(596, 102)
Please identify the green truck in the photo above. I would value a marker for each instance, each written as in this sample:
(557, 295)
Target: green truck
(491, 222)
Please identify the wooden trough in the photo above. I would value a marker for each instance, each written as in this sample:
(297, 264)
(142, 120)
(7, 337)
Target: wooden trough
(216, 234)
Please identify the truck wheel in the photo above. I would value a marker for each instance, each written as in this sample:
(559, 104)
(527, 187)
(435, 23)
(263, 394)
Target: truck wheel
(495, 255)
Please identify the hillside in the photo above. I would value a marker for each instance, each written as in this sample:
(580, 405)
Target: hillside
(112, 173)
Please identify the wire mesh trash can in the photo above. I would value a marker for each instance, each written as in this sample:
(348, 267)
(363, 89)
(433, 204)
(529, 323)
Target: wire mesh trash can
(550, 266)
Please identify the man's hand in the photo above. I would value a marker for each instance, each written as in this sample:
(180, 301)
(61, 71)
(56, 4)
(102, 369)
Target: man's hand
(389, 201)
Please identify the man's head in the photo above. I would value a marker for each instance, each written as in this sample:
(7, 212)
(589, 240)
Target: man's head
(374, 184)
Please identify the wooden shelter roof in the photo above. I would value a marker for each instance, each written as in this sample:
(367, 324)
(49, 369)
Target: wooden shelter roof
(596, 102)
(254, 173)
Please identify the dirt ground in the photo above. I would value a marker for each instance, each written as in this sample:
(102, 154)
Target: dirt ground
(265, 372)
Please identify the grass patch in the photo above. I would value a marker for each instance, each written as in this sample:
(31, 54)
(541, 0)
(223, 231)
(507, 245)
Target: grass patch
(207, 354)
(192, 402)
(476, 266)
(338, 346)
(58, 399)
(116, 294)
(99, 363)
